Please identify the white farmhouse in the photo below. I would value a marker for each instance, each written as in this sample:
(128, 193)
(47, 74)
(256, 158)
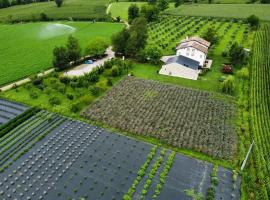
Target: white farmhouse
(191, 54)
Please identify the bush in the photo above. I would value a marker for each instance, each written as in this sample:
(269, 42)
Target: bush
(95, 90)
(70, 96)
(37, 81)
(75, 107)
(115, 71)
(109, 82)
(43, 17)
(227, 69)
(243, 73)
(54, 101)
(108, 64)
(253, 21)
(64, 80)
(224, 53)
(228, 85)
(92, 77)
(33, 95)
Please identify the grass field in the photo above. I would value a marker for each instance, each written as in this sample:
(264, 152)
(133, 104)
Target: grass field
(223, 10)
(27, 48)
(120, 9)
(77, 9)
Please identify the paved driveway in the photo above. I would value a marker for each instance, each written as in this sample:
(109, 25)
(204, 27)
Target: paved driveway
(86, 68)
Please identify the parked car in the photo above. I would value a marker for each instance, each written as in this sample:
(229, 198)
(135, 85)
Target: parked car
(88, 62)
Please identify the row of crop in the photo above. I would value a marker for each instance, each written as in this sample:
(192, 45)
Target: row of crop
(17, 131)
(164, 174)
(24, 138)
(168, 31)
(153, 173)
(4, 129)
(260, 115)
(140, 174)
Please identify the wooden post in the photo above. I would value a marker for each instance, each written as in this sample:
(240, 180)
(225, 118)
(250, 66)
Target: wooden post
(249, 151)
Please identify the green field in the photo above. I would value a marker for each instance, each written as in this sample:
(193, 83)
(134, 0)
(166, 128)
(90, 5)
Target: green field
(120, 9)
(77, 9)
(224, 10)
(27, 48)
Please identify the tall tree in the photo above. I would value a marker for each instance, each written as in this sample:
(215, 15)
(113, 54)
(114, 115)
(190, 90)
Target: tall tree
(73, 48)
(138, 36)
(152, 1)
(211, 35)
(130, 41)
(119, 41)
(210, 1)
(238, 55)
(150, 12)
(133, 12)
(163, 4)
(59, 3)
(253, 20)
(60, 58)
(96, 47)
(177, 3)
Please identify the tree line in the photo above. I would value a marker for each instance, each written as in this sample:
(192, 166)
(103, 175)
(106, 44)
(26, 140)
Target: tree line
(8, 3)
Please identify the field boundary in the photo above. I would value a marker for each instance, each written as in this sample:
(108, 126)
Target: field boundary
(24, 81)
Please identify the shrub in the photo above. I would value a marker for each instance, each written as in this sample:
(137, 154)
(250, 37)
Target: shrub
(64, 79)
(108, 64)
(70, 96)
(54, 101)
(75, 107)
(43, 17)
(95, 90)
(115, 71)
(227, 69)
(92, 77)
(33, 95)
(86, 100)
(109, 82)
(228, 85)
(37, 81)
(243, 73)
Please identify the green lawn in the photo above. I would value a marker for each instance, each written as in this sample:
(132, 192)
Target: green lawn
(78, 9)
(27, 48)
(223, 10)
(120, 9)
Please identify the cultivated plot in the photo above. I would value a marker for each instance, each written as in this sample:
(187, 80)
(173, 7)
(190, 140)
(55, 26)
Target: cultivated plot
(181, 117)
(77, 160)
(9, 110)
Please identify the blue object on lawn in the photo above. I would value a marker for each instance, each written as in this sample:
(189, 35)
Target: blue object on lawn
(88, 62)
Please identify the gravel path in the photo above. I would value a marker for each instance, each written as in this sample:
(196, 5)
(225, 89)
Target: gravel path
(86, 68)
